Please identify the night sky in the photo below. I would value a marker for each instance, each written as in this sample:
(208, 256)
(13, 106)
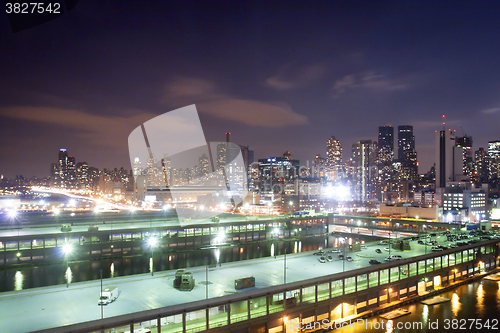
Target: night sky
(279, 75)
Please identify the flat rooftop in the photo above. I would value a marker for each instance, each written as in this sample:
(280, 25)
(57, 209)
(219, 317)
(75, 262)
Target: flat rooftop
(48, 307)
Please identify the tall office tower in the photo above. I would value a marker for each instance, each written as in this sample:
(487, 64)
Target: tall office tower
(407, 154)
(364, 158)
(386, 143)
(406, 141)
(449, 158)
(386, 170)
(494, 157)
(59, 172)
(465, 142)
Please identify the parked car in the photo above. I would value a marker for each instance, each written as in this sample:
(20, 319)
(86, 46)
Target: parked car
(387, 249)
(348, 258)
(383, 242)
(374, 262)
(322, 260)
(329, 258)
(319, 253)
(341, 256)
(335, 251)
(378, 250)
(420, 242)
(393, 257)
(436, 248)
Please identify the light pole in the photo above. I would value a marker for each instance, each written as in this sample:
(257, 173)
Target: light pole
(342, 240)
(425, 238)
(100, 295)
(152, 241)
(284, 269)
(358, 231)
(206, 278)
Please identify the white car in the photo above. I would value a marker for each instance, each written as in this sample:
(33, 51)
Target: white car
(383, 242)
(393, 257)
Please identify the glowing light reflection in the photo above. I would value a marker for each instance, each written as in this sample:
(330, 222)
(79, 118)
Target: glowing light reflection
(480, 301)
(455, 305)
(18, 281)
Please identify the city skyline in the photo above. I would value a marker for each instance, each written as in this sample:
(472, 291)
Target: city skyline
(301, 78)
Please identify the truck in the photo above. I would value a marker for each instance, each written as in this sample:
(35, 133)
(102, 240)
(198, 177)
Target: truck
(108, 295)
(178, 278)
(243, 283)
(187, 281)
(66, 227)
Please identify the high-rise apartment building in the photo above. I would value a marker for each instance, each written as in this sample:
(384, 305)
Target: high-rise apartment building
(481, 166)
(465, 142)
(494, 159)
(333, 162)
(333, 153)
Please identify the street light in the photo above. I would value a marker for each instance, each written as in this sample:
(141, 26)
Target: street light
(152, 242)
(359, 223)
(425, 237)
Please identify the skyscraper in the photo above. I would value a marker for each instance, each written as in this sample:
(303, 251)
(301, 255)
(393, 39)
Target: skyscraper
(494, 157)
(386, 158)
(386, 143)
(364, 158)
(465, 142)
(407, 154)
(333, 153)
(406, 141)
(449, 158)
(481, 166)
